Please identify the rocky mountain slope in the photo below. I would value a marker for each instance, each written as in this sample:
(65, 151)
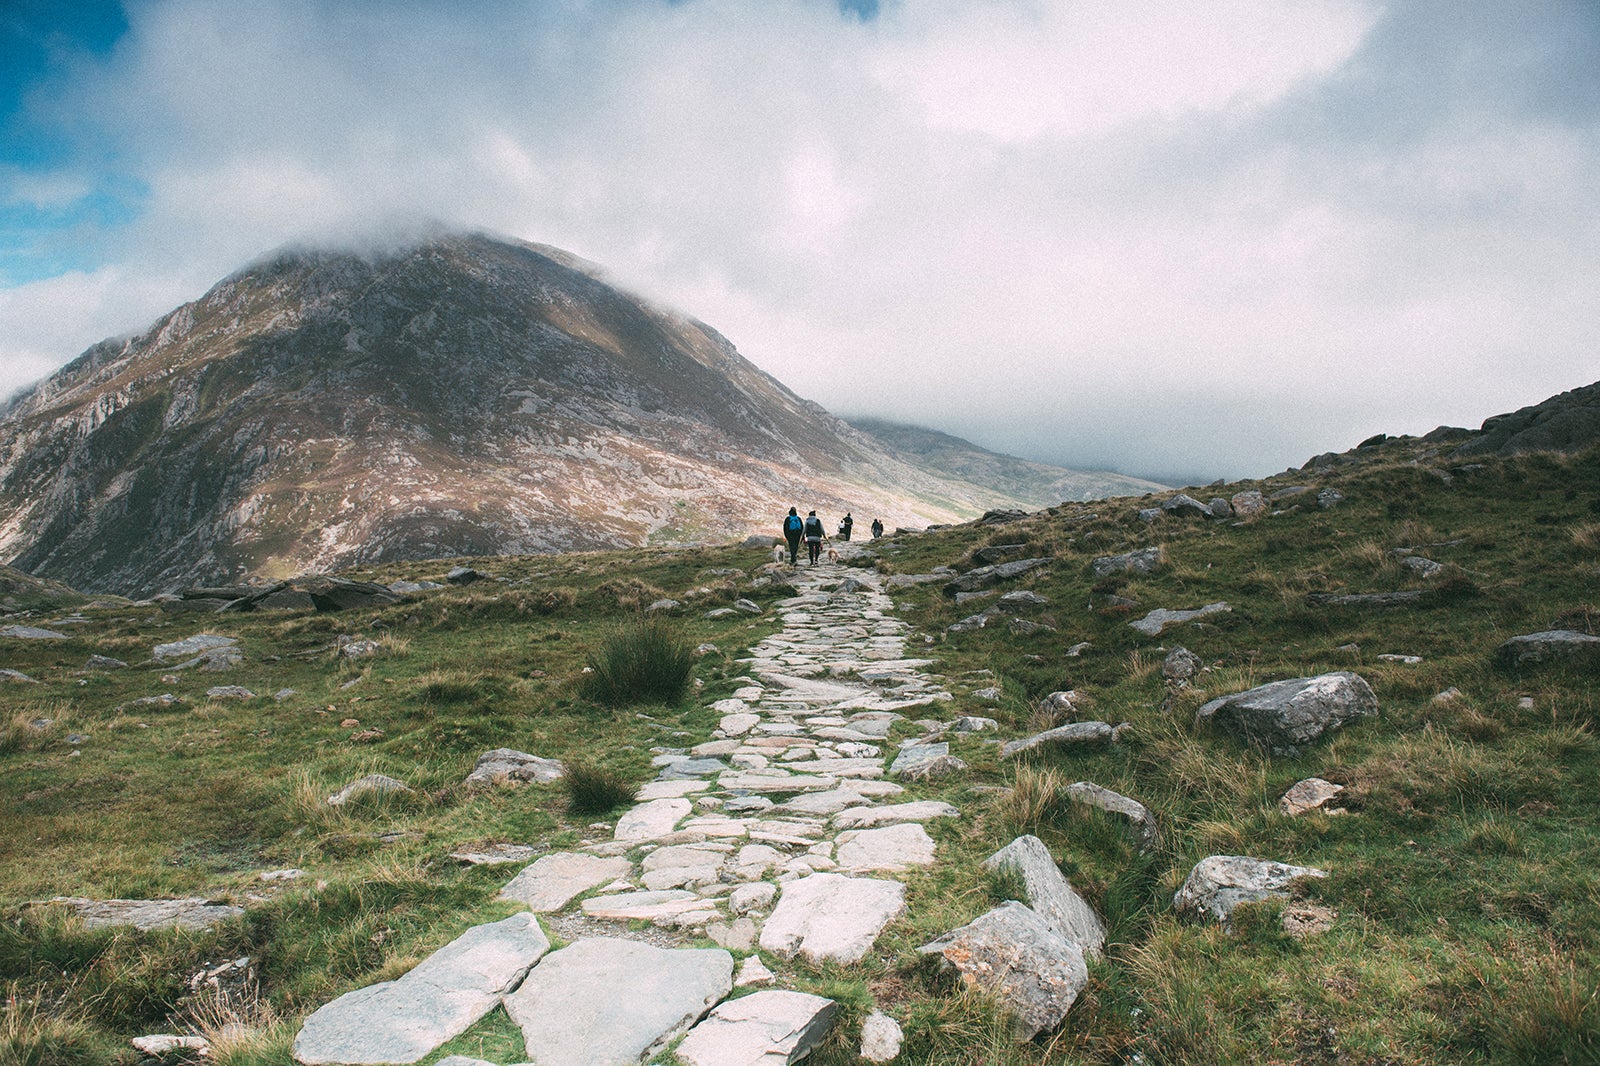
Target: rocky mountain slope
(1036, 484)
(464, 396)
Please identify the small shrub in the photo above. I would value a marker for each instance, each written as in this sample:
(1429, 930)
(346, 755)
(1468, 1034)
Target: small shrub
(646, 663)
(592, 790)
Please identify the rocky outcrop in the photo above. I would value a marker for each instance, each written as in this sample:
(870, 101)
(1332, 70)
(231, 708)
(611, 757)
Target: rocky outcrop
(1220, 883)
(1551, 646)
(1567, 422)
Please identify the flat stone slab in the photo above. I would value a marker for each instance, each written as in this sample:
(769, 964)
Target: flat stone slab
(1161, 619)
(771, 1028)
(643, 905)
(1549, 646)
(652, 819)
(893, 848)
(1013, 953)
(190, 646)
(915, 811)
(1049, 893)
(1071, 733)
(739, 723)
(150, 913)
(608, 1002)
(767, 782)
(361, 786)
(656, 790)
(914, 756)
(551, 882)
(830, 802)
(830, 917)
(494, 854)
(439, 999)
(31, 633)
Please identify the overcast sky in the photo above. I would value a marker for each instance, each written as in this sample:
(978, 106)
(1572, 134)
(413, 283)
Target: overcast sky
(1180, 239)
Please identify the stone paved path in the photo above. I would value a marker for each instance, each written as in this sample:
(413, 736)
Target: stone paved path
(781, 830)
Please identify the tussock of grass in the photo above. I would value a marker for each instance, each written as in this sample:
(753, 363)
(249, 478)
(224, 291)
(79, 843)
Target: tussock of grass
(594, 790)
(644, 663)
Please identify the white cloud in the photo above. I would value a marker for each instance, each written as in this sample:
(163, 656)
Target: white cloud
(1161, 236)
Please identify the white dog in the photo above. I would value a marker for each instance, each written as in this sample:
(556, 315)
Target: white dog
(778, 553)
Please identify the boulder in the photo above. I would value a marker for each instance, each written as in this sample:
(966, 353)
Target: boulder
(1013, 953)
(658, 606)
(337, 594)
(229, 692)
(1049, 893)
(1288, 493)
(756, 540)
(437, 1000)
(1149, 515)
(1551, 646)
(1284, 715)
(1161, 619)
(1000, 516)
(378, 784)
(1421, 566)
(285, 600)
(992, 554)
(17, 677)
(1186, 507)
(1248, 504)
(1180, 665)
(1144, 561)
(551, 882)
(913, 755)
(161, 1045)
(359, 649)
(830, 917)
(880, 1038)
(1071, 733)
(1329, 498)
(104, 662)
(1309, 795)
(770, 1028)
(1220, 883)
(1022, 601)
(510, 765)
(609, 1002)
(1092, 795)
(1219, 508)
(463, 575)
(988, 576)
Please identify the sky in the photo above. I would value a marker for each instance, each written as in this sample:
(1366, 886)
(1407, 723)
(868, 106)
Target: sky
(1181, 240)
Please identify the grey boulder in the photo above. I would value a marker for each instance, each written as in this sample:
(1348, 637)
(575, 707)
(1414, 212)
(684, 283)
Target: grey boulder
(1550, 646)
(1014, 954)
(1284, 715)
(1143, 561)
(1071, 733)
(508, 764)
(1219, 883)
(771, 1028)
(1050, 894)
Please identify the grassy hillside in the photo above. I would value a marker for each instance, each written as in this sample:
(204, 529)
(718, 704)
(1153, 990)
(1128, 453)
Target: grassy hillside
(1468, 925)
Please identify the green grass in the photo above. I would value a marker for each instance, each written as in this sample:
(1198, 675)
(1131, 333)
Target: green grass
(644, 662)
(1468, 924)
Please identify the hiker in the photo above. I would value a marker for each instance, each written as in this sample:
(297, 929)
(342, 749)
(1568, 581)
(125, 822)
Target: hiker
(877, 528)
(792, 528)
(814, 536)
(845, 526)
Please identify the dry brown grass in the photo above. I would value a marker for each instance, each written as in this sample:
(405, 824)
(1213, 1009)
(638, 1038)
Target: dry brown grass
(1586, 536)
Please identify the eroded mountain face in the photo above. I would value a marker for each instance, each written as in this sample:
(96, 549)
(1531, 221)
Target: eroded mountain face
(465, 396)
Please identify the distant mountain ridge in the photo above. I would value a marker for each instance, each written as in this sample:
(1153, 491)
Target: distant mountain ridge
(466, 395)
(1036, 484)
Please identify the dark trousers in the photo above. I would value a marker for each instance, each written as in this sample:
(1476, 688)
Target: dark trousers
(814, 547)
(794, 548)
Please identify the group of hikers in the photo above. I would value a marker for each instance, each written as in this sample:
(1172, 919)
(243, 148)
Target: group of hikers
(810, 530)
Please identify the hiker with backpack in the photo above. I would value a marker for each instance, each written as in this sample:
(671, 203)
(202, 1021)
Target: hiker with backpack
(845, 525)
(815, 535)
(877, 528)
(793, 526)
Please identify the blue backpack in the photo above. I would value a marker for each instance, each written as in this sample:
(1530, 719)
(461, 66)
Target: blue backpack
(792, 524)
